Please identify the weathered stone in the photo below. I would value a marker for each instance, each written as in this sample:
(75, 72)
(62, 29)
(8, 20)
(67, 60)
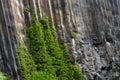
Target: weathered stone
(95, 22)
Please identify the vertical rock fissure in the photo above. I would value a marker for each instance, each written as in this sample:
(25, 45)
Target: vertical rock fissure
(10, 57)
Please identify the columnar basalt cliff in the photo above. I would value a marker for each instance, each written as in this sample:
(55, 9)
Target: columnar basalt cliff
(90, 28)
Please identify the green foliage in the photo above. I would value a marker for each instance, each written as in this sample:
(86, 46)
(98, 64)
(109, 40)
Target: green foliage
(77, 73)
(49, 54)
(25, 61)
(42, 75)
(50, 58)
(26, 10)
(74, 34)
(3, 76)
(37, 46)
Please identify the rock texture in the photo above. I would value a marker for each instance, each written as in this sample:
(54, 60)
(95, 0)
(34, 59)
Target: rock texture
(98, 39)
(90, 28)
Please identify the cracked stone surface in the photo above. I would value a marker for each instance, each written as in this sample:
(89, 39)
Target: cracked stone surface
(96, 23)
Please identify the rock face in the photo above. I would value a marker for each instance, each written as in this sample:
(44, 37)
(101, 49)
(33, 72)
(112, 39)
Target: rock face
(98, 38)
(90, 28)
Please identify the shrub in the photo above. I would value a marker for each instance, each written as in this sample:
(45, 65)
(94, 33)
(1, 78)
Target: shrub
(42, 75)
(3, 76)
(51, 57)
(25, 61)
(37, 47)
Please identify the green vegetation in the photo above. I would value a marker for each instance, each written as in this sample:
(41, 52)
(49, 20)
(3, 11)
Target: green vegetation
(50, 58)
(25, 61)
(26, 10)
(3, 76)
(42, 75)
(74, 34)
